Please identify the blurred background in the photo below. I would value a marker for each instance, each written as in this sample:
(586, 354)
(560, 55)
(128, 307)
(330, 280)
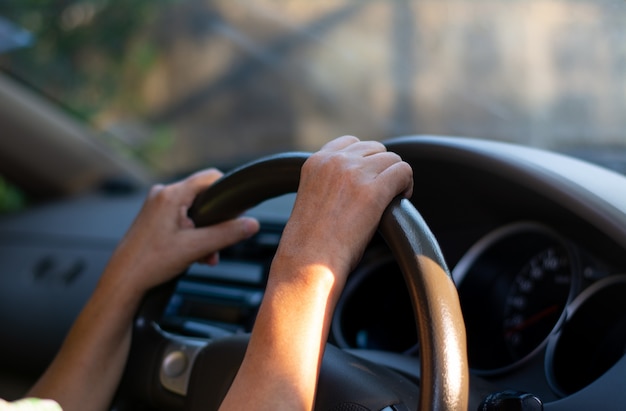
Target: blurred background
(182, 84)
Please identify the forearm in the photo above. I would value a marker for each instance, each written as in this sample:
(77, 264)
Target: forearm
(160, 244)
(281, 367)
(85, 373)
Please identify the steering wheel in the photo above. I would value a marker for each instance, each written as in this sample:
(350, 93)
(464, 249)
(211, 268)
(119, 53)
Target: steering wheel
(162, 366)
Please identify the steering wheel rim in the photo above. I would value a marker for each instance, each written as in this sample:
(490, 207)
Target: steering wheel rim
(444, 368)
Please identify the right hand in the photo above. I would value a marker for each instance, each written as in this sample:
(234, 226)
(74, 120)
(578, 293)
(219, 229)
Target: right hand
(344, 189)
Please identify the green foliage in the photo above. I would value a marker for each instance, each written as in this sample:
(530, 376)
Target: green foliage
(91, 56)
(85, 47)
(11, 199)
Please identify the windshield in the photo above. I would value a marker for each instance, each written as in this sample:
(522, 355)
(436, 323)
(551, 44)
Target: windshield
(182, 84)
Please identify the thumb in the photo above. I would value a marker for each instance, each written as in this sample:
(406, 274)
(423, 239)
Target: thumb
(208, 240)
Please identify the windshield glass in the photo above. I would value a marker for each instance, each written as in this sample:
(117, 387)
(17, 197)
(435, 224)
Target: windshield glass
(182, 84)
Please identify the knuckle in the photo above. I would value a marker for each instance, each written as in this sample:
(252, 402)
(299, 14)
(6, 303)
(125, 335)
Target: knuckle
(155, 190)
(377, 145)
(350, 137)
(162, 193)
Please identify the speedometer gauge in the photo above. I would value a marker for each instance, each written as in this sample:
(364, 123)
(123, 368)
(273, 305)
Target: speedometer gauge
(535, 300)
(514, 285)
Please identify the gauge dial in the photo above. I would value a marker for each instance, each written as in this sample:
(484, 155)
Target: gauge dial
(535, 301)
(514, 285)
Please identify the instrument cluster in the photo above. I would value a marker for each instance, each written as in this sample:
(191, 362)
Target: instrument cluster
(525, 291)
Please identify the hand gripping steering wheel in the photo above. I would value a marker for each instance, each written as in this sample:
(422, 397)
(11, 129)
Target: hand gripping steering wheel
(346, 382)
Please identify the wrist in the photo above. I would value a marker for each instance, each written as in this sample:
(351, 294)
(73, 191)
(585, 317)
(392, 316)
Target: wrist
(303, 278)
(116, 286)
(297, 250)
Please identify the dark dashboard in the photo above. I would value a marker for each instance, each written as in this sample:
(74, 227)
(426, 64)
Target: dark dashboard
(536, 243)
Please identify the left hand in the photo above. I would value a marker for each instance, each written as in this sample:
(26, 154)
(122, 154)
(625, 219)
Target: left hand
(162, 241)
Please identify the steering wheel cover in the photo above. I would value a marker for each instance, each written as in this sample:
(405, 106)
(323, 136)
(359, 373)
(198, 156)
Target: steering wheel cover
(444, 368)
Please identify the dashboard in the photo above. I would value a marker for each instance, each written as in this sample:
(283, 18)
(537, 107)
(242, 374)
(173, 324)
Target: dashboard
(535, 242)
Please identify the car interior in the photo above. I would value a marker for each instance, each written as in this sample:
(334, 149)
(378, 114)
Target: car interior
(510, 114)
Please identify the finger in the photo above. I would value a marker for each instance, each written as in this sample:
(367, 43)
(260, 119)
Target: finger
(203, 178)
(339, 143)
(193, 185)
(183, 218)
(211, 259)
(398, 178)
(201, 242)
(380, 161)
(365, 148)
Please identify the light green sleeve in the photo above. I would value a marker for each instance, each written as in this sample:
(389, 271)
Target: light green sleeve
(30, 404)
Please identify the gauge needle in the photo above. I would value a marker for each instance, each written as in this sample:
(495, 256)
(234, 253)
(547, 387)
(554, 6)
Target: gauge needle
(531, 320)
